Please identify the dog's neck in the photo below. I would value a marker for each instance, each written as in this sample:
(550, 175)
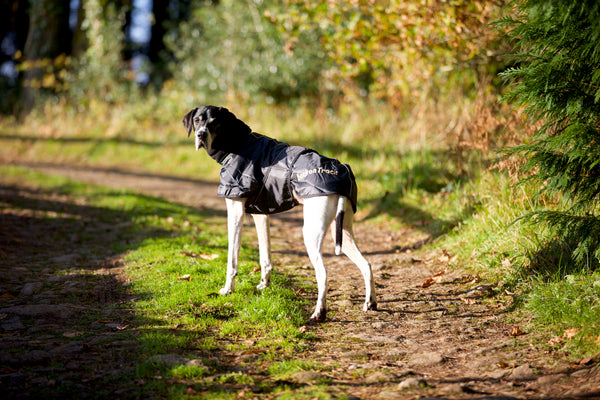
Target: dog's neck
(235, 146)
(218, 155)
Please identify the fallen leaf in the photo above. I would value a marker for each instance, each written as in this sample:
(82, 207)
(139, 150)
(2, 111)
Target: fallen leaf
(570, 333)
(468, 300)
(208, 256)
(186, 277)
(516, 331)
(444, 258)
(116, 327)
(427, 283)
(555, 340)
(506, 263)
(7, 296)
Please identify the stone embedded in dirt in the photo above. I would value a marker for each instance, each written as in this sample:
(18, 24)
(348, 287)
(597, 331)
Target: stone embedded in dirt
(452, 389)
(31, 288)
(497, 374)
(426, 359)
(550, 379)
(68, 349)
(306, 376)
(522, 373)
(411, 383)
(378, 377)
(26, 358)
(12, 324)
(67, 259)
(44, 310)
(173, 360)
(344, 304)
(388, 394)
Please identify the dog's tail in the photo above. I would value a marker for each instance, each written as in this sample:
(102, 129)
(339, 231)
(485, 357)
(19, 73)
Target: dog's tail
(339, 224)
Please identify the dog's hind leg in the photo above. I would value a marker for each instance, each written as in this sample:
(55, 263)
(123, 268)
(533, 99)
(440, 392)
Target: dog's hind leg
(318, 214)
(264, 247)
(235, 220)
(350, 249)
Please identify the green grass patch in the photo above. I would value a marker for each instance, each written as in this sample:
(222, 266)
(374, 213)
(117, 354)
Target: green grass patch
(567, 308)
(174, 307)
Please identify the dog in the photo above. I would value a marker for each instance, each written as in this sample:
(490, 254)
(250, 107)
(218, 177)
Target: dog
(262, 176)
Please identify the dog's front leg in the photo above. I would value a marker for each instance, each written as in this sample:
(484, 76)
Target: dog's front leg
(264, 246)
(235, 219)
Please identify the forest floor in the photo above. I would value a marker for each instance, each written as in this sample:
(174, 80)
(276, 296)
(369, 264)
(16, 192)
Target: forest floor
(438, 333)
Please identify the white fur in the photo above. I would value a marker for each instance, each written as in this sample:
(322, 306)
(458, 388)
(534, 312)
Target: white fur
(319, 213)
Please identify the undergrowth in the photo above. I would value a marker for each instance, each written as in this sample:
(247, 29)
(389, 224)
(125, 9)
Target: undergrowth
(429, 169)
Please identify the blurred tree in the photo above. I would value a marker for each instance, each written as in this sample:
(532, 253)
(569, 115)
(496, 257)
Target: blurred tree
(229, 48)
(398, 49)
(167, 16)
(558, 83)
(48, 42)
(100, 72)
(14, 25)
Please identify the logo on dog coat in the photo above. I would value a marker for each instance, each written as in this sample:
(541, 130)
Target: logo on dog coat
(320, 170)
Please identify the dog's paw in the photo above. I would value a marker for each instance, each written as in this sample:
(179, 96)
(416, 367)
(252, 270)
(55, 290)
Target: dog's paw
(225, 291)
(319, 316)
(262, 286)
(372, 306)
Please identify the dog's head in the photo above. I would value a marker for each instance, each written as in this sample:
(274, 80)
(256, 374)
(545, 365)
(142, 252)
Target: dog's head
(216, 128)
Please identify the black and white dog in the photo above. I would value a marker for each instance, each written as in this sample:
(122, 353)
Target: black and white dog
(262, 176)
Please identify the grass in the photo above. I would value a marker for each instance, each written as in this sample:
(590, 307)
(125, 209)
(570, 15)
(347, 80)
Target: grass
(409, 175)
(184, 316)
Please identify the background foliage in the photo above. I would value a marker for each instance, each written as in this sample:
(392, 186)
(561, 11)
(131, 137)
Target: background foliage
(399, 51)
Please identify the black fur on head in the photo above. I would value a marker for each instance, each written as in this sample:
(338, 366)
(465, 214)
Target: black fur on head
(229, 132)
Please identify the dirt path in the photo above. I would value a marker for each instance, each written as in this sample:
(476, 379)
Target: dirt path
(437, 334)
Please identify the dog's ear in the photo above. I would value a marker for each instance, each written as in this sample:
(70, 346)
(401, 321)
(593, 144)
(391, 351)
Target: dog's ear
(234, 125)
(188, 121)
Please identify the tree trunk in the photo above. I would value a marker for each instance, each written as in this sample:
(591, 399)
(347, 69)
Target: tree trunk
(49, 36)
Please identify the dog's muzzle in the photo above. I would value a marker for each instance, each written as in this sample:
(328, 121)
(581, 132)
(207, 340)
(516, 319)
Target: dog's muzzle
(201, 135)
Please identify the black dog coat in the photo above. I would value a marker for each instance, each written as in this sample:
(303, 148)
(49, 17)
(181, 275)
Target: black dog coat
(272, 175)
